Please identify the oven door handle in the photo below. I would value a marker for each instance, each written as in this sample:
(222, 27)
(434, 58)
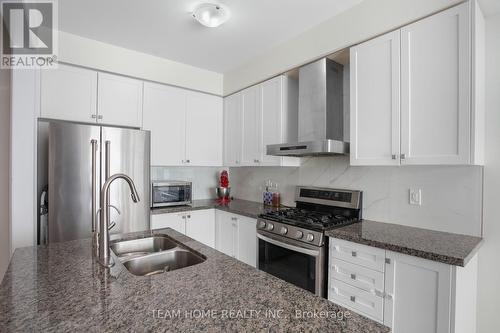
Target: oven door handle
(289, 246)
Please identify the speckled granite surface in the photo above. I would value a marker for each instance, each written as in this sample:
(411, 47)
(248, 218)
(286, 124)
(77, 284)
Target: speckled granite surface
(237, 206)
(448, 248)
(60, 288)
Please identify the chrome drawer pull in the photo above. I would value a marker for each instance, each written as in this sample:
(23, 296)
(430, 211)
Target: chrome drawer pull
(353, 299)
(353, 276)
(354, 254)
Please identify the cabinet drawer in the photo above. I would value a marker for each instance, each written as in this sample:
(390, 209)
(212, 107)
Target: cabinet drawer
(358, 254)
(356, 299)
(357, 276)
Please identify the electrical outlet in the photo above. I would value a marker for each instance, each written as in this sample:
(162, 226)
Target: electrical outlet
(415, 196)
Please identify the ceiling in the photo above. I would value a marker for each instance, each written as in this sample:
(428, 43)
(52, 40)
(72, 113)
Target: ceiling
(166, 29)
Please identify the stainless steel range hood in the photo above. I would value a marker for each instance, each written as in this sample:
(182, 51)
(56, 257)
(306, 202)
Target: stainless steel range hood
(321, 114)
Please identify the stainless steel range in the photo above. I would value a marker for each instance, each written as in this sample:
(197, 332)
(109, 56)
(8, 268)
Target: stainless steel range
(292, 242)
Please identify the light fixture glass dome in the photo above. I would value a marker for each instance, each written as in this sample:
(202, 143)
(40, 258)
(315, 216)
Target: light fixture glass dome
(211, 15)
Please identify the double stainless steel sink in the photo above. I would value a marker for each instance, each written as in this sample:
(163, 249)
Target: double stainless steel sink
(154, 255)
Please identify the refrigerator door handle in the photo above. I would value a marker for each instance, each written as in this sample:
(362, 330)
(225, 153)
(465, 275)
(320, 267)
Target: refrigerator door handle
(93, 142)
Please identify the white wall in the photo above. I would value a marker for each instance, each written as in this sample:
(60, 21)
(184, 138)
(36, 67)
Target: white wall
(204, 179)
(451, 195)
(4, 170)
(86, 52)
(364, 21)
(489, 255)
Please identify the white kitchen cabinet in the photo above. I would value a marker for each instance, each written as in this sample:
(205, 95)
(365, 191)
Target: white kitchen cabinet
(175, 221)
(252, 128)
(263, 114)
(226, 233)
(164, 116)
(375, 101)
(247, 240)
(203, 129)
(197, 224)
(418, 294)
(436, 89)
(236, 236)
(279, 117)
(407, 293)
(186, 126)
(233, 107)
(119, 100)
(68, 93)
(200, 225)
(420, 102)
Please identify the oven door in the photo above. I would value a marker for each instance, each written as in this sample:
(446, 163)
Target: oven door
(296, 263)
(170, 194)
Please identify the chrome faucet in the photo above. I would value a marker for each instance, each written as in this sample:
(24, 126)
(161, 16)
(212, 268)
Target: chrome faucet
(104, 254)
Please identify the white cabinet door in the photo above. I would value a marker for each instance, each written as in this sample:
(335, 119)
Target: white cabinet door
(164, 116)
(203, 129)
(175, 221)
(119, 100)
(435, 89)
(375, 104)
(271, 115)
(226, 233)
(200, 225)
(247, 240)
(252, 126)
(419, 294)
(68, 93)
(233, 107)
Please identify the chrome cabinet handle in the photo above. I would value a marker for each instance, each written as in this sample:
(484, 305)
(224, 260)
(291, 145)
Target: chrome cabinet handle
(237, 162)
(353, 276)
(189, 216)
(93, 143)
(256, 160)
(94, 116)
(354, 254)
(403, 156)
(99, 117)
(394, 156)
(353, 299)
(234, 218)
(188, 161)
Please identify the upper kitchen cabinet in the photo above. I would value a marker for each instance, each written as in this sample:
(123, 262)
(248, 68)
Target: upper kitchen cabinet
(164, 116)
(252, 128)
(375, 105)
(119, 100)
(68, 93)
(186, 126)
(203, 129)
(233, 107)
(439, 118)
(279, 117)
(258, 116)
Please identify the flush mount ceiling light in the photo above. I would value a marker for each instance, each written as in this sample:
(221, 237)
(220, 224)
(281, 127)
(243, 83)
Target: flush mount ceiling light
(211, 15)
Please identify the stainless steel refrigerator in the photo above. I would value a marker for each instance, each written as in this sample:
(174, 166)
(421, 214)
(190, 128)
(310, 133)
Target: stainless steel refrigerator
(65, 167)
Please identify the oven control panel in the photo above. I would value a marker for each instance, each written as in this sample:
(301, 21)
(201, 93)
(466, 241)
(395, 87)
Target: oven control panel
(312, 237)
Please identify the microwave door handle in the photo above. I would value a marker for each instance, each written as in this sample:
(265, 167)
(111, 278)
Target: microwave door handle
(289, 246)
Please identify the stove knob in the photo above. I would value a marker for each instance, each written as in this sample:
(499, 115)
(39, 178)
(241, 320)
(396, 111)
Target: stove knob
(270, 226)
(309, 237)
(283, 230)
(262, 224)
(299, 234)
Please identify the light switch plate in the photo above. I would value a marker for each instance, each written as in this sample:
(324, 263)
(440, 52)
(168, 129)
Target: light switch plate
(415, 196)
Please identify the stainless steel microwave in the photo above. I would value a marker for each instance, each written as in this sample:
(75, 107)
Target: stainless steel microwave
(170, 193)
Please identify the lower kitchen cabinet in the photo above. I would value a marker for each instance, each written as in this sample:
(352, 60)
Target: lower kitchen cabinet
(236, 236)
(407, 293)
(197, 224)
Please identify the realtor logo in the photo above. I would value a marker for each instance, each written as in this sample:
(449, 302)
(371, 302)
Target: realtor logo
(29, 36)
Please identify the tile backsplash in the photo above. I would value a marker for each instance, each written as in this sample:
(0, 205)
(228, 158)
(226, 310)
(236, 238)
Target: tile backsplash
(204, 179)
(451, 195)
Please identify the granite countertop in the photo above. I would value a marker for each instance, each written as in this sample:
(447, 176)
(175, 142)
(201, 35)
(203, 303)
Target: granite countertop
(60, 288)
(243, 207)
(448, 248)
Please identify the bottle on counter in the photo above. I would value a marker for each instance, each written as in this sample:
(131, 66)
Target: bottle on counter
(276, 197)
(267, 195)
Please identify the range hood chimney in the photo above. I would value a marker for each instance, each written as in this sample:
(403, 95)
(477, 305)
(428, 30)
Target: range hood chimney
(321, 113)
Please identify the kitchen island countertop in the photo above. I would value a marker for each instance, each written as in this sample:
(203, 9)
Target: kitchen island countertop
(60, 288)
